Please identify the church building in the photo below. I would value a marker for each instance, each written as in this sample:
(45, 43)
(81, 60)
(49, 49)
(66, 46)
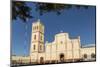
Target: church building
(62, 49)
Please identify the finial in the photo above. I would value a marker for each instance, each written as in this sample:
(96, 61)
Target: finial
(38, 20)
(46, 41)
(61, 31)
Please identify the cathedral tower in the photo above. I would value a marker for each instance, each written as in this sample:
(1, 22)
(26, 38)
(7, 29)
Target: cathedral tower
(37, 39)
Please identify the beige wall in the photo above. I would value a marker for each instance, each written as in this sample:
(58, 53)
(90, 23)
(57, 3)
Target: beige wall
(63, 45)
(21, 59)
(76, 48)
(87, 51)
(48, 51)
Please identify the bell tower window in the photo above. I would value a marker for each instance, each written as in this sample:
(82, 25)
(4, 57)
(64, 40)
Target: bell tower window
(40, 47)
(34, 47)
(34, 37)
(41, 37)
(61, 42)
(37, 27)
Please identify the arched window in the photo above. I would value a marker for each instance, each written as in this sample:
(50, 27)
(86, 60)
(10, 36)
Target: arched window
(37, 27)
(85, 55)
(34, 37)
(40, 47)
(93, 55)
(41, 37)
(34, 47)
(61, 42)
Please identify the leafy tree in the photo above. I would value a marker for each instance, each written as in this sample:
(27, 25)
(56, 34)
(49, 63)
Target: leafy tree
(51, 7)
(55, 7)
(22, 11)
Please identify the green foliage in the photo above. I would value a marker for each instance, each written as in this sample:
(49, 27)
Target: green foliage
(55, 7)
(22, 11)
(51, 7)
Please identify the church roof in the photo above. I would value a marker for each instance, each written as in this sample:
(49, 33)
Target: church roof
(88, 45)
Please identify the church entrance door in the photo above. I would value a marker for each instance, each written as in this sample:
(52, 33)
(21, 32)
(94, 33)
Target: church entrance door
(41, 60)
(61, 57)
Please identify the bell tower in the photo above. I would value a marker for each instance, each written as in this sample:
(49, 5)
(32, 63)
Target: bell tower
(37, 38)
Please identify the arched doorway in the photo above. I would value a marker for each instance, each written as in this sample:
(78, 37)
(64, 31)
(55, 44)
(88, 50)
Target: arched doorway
(61, 57)
(85, 56)
(41, 60)
(93, 55)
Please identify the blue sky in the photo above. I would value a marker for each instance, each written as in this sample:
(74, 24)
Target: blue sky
(76, 22)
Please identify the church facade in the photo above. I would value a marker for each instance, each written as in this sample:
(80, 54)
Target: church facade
(62, 49)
